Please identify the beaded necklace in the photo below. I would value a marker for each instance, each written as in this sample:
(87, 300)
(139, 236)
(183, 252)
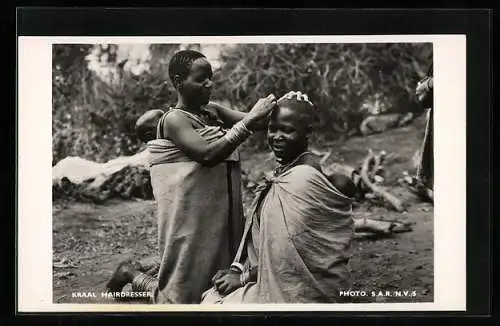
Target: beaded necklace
(282, 168)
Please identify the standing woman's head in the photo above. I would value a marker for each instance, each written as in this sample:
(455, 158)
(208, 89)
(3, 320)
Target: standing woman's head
(289, 127)
(191, 75)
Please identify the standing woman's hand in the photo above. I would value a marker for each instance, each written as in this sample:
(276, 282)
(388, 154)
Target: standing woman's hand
(260, 111)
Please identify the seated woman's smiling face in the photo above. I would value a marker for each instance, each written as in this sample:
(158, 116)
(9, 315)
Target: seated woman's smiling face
(286, 134)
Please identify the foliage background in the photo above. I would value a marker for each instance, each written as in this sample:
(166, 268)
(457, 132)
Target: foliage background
(94, 111)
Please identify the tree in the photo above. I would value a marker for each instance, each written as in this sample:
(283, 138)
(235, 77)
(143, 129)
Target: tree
(94, 117)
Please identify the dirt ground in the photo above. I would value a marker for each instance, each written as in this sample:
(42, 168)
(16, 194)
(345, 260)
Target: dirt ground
(90, 240)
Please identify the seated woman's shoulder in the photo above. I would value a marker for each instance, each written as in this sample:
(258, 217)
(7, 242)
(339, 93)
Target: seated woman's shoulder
(312, 160)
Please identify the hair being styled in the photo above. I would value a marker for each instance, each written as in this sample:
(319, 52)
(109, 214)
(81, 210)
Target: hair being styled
(299, 104)
(181, 62)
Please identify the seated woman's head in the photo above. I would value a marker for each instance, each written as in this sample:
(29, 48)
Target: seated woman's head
(289, 126)
(145, 126)
(191, 75)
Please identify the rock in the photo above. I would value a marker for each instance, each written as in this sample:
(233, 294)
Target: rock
(78, 170)
(378, 123)
(64, 275)
(64, 263)
(370, 196)
(74, 178)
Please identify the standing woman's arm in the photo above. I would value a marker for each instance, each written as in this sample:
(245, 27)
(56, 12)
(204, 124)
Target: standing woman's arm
(182, 134)
(230, 116)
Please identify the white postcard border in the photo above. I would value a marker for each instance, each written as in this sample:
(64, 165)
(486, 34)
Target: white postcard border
(34, 221)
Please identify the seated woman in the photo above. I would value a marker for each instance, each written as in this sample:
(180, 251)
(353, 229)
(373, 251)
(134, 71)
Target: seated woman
(296, 243)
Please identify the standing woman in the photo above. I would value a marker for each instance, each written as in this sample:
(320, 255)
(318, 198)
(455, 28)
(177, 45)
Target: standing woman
(195, 174)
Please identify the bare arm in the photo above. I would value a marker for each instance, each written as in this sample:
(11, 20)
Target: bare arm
(183, 135)
(230, 116)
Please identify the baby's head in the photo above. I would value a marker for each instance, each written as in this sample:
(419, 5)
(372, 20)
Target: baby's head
(147, 123)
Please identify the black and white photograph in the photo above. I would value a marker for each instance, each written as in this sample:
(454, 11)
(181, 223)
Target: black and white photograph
(261, 173)
(244, 173)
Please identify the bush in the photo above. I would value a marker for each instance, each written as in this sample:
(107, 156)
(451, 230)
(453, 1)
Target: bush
(339, 78)
(93, 119)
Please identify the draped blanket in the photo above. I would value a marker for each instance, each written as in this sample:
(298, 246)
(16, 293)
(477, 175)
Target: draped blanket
(199, 218)
(302, 241)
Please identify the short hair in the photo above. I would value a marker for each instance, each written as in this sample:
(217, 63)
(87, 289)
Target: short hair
(147, 123)
(305, 109)
(181, 62)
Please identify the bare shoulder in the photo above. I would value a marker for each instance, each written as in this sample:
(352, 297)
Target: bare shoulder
(175, 120)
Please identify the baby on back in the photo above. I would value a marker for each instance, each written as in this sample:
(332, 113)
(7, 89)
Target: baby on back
(147, 123)
(146, 127)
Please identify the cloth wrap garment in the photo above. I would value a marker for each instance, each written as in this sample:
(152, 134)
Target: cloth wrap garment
(299, 236)
(200, 215)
